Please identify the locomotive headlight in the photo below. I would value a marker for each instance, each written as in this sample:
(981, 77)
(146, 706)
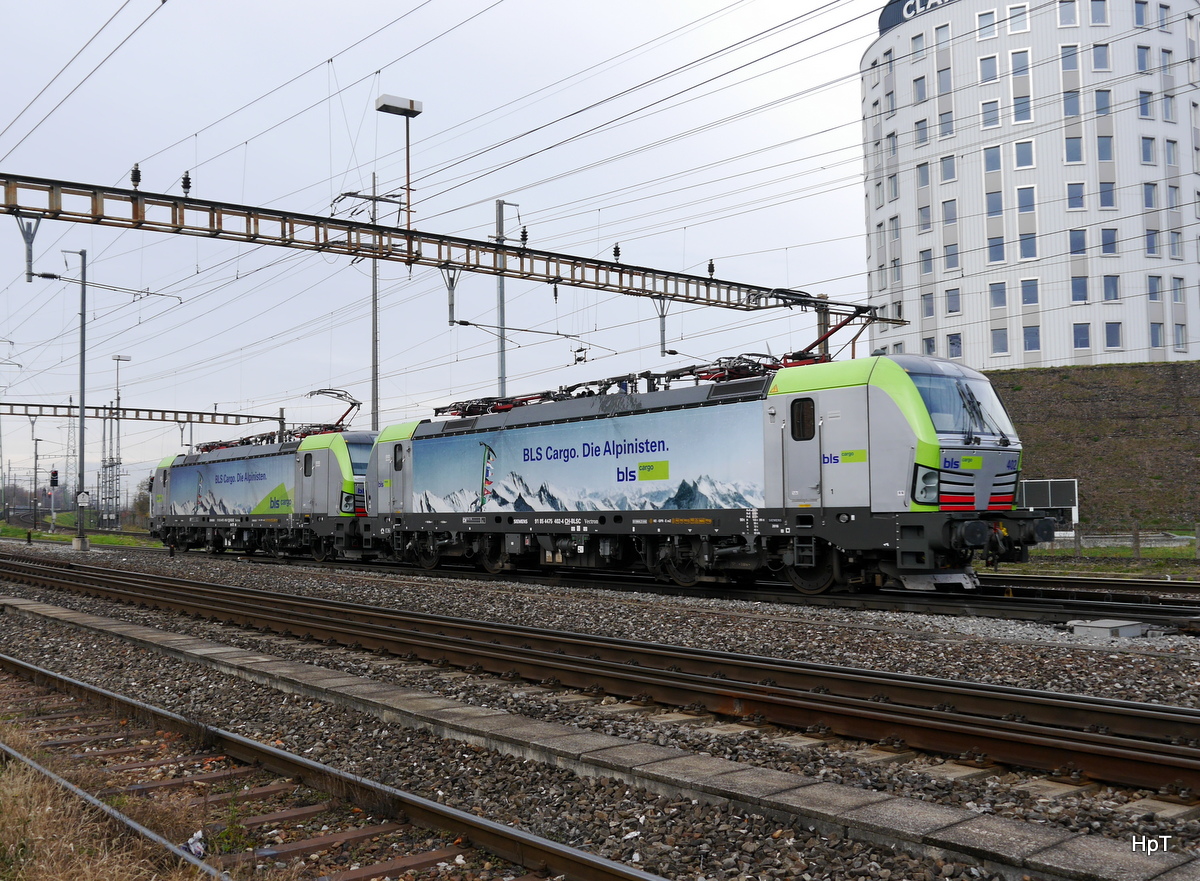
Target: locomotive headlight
(925, 486)
(347, 503)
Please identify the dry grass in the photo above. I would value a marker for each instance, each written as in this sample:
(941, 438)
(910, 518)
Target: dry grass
(46, 834)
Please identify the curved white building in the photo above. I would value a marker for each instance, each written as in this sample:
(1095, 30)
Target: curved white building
(1032, 187)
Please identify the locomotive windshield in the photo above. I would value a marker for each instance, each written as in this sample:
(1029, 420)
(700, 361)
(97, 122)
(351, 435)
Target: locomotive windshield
(359, 455)
(966, 405)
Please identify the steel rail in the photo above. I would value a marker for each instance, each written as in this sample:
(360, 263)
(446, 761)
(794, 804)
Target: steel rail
(1128, 742)
(523, 848)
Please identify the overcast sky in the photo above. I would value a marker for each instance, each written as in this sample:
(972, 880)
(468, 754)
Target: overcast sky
(685, 131)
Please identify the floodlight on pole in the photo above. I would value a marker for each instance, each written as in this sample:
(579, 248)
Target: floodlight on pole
(407, 108)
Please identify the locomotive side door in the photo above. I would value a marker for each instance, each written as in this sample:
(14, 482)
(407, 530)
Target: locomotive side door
(802, 453)
(307, 484)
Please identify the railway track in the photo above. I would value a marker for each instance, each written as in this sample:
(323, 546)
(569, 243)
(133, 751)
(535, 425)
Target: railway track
(256, 804)
(1141, 745)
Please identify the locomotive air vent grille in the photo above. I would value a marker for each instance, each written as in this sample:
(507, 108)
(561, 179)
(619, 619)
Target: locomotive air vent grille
(458, 425)
(737, 388)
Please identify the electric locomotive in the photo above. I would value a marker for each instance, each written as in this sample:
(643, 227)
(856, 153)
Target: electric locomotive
(885, 470)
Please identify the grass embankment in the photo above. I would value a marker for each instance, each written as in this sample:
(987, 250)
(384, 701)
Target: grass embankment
(1179, 563)
(65, 534)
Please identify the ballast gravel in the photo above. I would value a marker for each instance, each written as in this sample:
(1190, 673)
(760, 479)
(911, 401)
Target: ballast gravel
(671, 837)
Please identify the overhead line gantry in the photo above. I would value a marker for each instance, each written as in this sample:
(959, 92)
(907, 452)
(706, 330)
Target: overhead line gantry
(35, 199)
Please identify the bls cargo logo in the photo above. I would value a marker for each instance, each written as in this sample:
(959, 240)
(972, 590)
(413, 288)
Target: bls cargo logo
(845, 457)
(962, 463)
(645, 471)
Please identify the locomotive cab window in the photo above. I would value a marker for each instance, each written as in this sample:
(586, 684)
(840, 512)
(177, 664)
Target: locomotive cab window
(308, 464)
(398, 457)
(804, 419)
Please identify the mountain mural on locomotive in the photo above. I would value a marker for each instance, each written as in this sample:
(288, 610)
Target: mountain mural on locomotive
(259, 485)
(688, 459)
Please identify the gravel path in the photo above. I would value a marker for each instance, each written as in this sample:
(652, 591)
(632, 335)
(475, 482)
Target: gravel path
(674, 838)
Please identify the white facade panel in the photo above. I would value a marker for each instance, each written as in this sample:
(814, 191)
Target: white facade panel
(1032, 193)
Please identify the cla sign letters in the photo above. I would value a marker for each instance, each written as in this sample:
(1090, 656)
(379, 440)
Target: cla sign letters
(899, 11)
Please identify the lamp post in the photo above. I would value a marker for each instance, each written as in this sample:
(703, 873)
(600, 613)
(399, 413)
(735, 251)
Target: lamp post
(36, 441)
(115, 459)
(81, 539)
(407, 108)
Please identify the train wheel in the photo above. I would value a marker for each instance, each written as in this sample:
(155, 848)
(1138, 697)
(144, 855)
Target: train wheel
(216, 546)
(685, 574)
(812, 580)
(321, 550)
(492, 558)
(426, 553)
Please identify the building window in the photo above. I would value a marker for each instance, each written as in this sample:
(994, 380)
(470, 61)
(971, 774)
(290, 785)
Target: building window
(1078, 241)
(889, 103)
(1152, 243)
(1068, 57)
(995, 249)
(892, 143)
(1025, 200)
(918, 47)
(1100, 57)
(1020, 62)
(1103, 102)
(999, 341)
(1070, 103)
(1176, 290)
(1108, 194)
(1148, 151)
(1181, 337)
(1173, 197)
(1079, 288)
(1082, 334)
(953, 301)
(888, 64)
(991, 114)
(898, 349)
(1140, 13)
(998, 294)
(929, 345)
(1146, 105)
(926, 305)
(991, 158)
(1176, 245)
(924, 218)
(1024, 154)
(894, 227)
(988, 72)
(926, 261)
(1068, 14)
(946, 124)
(1028, 242)
(1164, 17)
(948, 169)
(919, 90)
(985, 25)
(923, 175)
(1033, 338)
(1073, 149)
(878, 193)
(1156, 335)
(1112, 287)
(1172, 152)
(1075, 197)
(1149, 195)
(1143, 59)
(951, 255)
(995, 204)
(893, 187)
(941, 36)
(896, 269)
(1104, 148)
(943, 81)
(1022, 108)
(950, 212)
(954, 345)
(1099, 11)
(1154, 288)
(1029, 292)
(1018, 19)
(1168, 105)
(1108, 241)
(1112, 334)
